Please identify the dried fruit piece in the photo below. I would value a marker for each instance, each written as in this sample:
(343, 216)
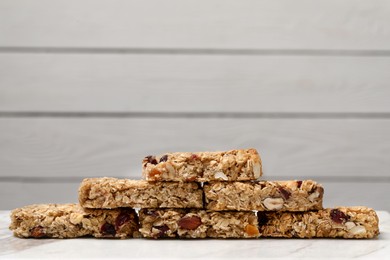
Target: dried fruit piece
(154, 172)
(338, 216)
(251, 230)
(121, 219)
(108, 229)
(164, 158)
(37, 232)
(151, 159)
(163, 229)
(285, 193)
(194, 157)
(273, 203)
(190, 179)
(190, 223)
(299, 184)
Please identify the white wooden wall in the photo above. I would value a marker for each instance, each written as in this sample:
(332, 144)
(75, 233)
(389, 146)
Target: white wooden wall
(89, 87)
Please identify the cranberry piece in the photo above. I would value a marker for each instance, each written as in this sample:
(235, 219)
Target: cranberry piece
(164, 158)
(122, 218)
(299, 184)
(338, 216)
(37, 232)
(194, 157)
(108, 229)
(163, 230)
(151, 159)
(285, 193)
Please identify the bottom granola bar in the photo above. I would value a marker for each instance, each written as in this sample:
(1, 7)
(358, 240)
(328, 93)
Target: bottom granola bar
(341, 222)
(71, 221)
(180, 223)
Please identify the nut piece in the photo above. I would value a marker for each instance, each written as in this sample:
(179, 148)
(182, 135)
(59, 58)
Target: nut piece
(358, 230)
(313, 196)
(190, 223)
(349, 225)
(273, 203)
(256, 170)
(76, 218)
(221, 175)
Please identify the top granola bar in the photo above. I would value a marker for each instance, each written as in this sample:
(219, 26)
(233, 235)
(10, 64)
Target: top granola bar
(233, 165)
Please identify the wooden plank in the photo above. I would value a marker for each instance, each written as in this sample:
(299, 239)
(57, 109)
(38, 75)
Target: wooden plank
(256, 24)
(299, 148)
(15, 195)
(154, 83)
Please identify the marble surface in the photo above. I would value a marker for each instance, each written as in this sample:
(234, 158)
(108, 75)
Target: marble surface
(11, 247)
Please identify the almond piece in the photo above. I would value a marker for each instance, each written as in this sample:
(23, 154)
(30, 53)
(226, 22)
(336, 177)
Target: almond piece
(190, 223)
(273, 203)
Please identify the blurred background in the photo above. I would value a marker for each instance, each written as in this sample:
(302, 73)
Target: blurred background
(90, 87)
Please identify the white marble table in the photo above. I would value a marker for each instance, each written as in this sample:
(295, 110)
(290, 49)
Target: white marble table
(11, 247)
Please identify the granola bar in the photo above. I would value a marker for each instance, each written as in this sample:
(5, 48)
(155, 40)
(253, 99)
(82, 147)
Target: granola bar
(341, 222)
(71, 221)
(197, 224)
(264, 195)
(108, 193)
(234, 165)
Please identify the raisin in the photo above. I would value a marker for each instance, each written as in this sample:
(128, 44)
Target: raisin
(37, 232)
(262, 218)
(285, 193)
(164, 158)
(151, 159)
(163, 230)
(299, 184)
(338, 216)
(122, 219)
(108, 230)
(190, 223)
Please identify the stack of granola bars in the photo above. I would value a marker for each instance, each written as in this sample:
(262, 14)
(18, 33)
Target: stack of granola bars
(196, 195)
